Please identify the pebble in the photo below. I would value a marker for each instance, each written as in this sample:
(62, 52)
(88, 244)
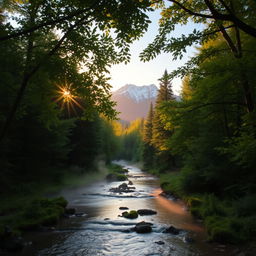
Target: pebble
(160, 242)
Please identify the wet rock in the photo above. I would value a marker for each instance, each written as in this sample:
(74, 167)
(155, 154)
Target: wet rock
(80, 214)
(70, 211)
(130, 215)
(143, 227)
(172, 230)
(107, 219)
(123, 188)
(160, 242)
(130, 182)
(123, 208)
(188, 239)
(169, 195)
(146, 212)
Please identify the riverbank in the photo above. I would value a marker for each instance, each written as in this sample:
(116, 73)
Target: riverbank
(34, 206)
(104, 228)
(227, 220)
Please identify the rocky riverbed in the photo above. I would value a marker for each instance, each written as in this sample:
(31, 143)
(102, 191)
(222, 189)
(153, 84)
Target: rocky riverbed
(159, 226)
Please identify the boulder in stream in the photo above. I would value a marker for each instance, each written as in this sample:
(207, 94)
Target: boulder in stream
(143, 227)
(188, 239)
(146, 212)
(123, 208)
(130, 215)
(130, 182)
(172, 230)
(123, 188)
(160, 242)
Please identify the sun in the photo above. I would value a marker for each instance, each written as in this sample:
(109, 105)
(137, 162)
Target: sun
(67, 98)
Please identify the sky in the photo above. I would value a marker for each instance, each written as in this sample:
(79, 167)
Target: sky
(140, 73)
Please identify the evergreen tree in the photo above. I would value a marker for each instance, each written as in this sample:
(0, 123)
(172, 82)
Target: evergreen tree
(160, 134)
(165, 92)
(148, 128)
(148, 148)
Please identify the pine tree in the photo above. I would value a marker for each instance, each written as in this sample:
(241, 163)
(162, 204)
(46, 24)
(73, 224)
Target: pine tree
(148, 148)
(148, 128)
(164, 94)
(160, 134)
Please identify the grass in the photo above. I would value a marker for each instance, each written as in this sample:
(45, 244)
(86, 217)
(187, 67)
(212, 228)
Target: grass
(34, 214)
(29, 205)
(227, 220)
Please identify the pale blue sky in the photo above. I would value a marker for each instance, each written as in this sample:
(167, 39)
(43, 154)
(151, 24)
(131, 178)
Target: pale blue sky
(141, 73)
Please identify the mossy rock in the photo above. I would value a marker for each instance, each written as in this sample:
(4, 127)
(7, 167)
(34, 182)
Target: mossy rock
(130, 215)
(41, 212)
(116, 177)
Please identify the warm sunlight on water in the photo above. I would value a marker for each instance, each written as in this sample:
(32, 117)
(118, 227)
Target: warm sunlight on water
(177, 210)
(103, 232)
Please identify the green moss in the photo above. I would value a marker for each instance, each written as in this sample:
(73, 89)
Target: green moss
(116, 173)
(130, 215)
(114, 168)
(61, 201)
(121, 177)
(224, 229)
(39, 212)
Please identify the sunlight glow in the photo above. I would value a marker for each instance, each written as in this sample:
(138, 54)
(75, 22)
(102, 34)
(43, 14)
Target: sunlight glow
(67, 98)
(178, 211)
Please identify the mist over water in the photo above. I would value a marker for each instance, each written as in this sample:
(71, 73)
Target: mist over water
(101, 230)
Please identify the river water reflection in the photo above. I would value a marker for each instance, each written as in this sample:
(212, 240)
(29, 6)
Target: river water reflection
(102, 232)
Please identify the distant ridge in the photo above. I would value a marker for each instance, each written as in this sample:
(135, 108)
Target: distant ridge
(134, 101)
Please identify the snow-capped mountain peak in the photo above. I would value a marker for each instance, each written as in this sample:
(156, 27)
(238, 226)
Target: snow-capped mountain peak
(138, 93)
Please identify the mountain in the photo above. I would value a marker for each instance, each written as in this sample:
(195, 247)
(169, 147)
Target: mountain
(134, 101)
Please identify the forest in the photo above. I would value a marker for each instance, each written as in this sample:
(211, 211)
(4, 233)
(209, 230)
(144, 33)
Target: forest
(57, 118)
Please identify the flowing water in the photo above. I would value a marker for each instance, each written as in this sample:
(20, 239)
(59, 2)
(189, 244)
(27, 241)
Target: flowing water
(101, 230)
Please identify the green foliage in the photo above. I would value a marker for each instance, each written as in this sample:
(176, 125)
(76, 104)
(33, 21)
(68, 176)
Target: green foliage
(131, 142)
(41, 212)
(116, 173)
(36, 213)
(245, 206)
(220, 230)
(43, 129)
(115, 168)
(155, 150)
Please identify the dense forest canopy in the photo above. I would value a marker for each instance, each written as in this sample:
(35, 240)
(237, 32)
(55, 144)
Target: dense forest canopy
(55, 94)
(212, 128)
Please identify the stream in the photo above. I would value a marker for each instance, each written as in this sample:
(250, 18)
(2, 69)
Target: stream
(99, 229)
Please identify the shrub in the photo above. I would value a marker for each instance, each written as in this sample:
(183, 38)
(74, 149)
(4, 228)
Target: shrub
(246, 206)
(221, 229)
(41, 212)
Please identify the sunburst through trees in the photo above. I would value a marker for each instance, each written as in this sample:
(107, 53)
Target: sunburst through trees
(67, 98)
